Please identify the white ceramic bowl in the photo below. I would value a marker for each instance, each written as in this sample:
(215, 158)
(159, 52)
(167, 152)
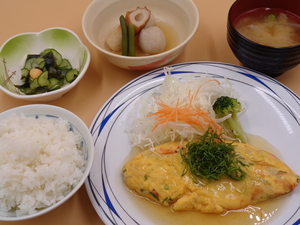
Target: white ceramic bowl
(78, 127)
(14, 51)
(102, 16)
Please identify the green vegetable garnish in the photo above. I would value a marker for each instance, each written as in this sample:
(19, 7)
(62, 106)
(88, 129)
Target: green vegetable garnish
(131, 33)
(210, 158)
(151, 193)
(224, 106)
(124, 35)
(271, 17)
(166, 198)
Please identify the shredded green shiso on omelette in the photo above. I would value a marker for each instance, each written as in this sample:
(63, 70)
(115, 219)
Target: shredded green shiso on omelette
(210, 158)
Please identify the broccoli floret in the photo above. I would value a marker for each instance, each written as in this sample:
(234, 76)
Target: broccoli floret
(225, 105)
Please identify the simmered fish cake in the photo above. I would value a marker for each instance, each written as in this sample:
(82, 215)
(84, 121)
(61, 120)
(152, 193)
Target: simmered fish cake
(157, 175)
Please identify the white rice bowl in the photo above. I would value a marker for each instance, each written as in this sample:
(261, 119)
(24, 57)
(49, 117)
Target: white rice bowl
(46, 155)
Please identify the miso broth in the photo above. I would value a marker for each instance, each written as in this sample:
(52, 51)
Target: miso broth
(271, 27)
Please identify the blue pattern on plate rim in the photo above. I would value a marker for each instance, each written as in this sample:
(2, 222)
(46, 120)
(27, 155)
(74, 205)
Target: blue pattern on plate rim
(297, 222)
(106, 113)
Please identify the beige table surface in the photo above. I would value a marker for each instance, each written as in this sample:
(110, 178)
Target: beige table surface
(102, 78)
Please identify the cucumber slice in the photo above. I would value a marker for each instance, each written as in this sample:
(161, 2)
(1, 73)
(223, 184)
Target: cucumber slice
(43, 79)
(56, 54)
(27, 91)
(28, 63)
(54, 84)
(34, 84)
(38, 63)
(24, 74)
(64, 81)
(40, 90)
(65, 65)
(71, 75)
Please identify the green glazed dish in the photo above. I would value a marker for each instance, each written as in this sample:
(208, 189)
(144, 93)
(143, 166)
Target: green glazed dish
(14, 51)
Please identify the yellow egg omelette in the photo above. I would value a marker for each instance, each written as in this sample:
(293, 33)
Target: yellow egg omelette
(158, 176)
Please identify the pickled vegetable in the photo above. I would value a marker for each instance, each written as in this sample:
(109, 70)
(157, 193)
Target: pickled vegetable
(46, 72)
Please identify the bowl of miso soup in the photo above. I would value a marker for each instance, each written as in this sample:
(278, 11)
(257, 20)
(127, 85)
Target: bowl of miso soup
(265, 35)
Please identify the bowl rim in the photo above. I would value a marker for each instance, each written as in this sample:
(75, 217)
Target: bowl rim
(64, 88)
(84, 128)
(136, 58)
(230, 24)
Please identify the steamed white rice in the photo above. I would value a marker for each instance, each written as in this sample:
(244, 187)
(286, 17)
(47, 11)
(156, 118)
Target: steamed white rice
(41, 161)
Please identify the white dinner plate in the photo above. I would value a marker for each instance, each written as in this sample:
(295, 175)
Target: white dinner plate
(273, 114)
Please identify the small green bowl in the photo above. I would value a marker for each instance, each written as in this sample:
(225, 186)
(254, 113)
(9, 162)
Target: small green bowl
(14, 51)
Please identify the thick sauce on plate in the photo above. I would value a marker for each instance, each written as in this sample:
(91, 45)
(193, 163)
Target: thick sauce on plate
(258, 214)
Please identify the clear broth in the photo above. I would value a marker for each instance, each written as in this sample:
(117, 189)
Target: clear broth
(261, 213)
(270, 27)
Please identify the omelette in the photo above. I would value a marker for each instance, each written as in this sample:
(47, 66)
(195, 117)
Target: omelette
(158, 176)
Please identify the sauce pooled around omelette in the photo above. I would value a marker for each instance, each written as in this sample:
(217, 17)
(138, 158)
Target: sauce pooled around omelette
(159, 176)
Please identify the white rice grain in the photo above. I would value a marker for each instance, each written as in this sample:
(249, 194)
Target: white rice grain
(40, 162)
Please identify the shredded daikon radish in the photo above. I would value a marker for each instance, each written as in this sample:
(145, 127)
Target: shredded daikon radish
(179, 110)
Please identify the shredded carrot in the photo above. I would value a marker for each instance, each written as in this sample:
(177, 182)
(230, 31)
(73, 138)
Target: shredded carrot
(192, 115)
(187, 113)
